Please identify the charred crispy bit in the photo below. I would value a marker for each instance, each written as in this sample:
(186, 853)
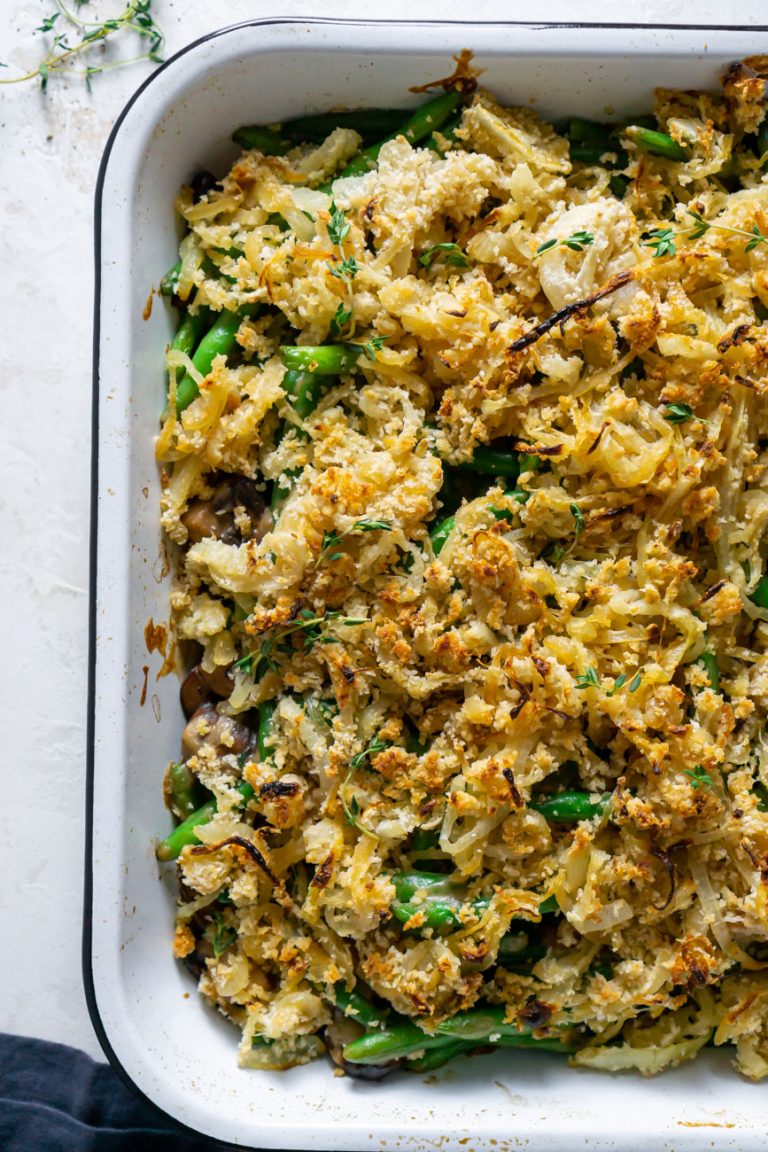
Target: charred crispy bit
(733, 339)
(564, 314)
(514, 791)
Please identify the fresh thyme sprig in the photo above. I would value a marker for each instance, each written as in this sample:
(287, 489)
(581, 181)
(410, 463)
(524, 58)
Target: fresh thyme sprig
(450, 253)
(311, 629)
(219, 934)
(365, 524)
(340, 320)
(344, 268)
(62, 53)
(351, 806)
(590, 679)
(579, 523)
(664, 240)
(577, 242)
(368, 753)
(699, 778)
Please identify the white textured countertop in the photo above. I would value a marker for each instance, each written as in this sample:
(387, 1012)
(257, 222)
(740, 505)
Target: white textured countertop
(50, 148)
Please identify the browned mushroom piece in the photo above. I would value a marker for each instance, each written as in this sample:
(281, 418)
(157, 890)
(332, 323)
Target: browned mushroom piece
(207, 727)
(236, 512)
(200, 687)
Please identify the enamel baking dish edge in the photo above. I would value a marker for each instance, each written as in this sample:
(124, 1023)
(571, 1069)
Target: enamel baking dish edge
(154, 1027)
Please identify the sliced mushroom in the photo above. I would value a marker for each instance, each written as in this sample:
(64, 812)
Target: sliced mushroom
(200, 687)
(207, 727)
(234, 513)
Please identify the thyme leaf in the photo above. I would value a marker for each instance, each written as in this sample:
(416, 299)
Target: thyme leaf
(576, 242)
(340, 320)
(678, 413)
(588, 679)
(662, 240)
(450, 253)
(699, 778)
(338, 226)
(365, 524)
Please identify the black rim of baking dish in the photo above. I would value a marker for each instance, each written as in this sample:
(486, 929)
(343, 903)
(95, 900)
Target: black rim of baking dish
(87, 941)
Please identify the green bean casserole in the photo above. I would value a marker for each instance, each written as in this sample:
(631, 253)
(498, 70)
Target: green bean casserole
(465, 466)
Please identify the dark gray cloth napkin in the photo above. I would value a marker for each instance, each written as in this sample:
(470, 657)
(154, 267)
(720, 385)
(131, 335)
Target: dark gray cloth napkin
(56, 1099)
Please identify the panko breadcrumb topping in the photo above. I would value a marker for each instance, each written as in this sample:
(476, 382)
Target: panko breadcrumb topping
(470, 499)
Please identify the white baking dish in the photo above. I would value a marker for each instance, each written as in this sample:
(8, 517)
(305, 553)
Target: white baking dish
(151, 1022)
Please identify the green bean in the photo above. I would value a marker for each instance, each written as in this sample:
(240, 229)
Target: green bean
(594, 153)
(293, 382)
(171, 846)
(543, 1043)
(183, 789)
(189, 331)
(439, 1056)
(568, 807)
(309, 392)
(265, 140)
(618, 184)
(520, 959)
(357, 1006)
(448, 132)
(437, 912)
(440, 533)
(588, 153)
(760, 594)
(492, 462)
(413, 744)
(212, 271)
(479, 1024)
(281, 492)
(407, 884)
(418, 126)
(708, 662)
(401, 1039)
(588, 131)
(528, 462)
(422, 840)
(430, 116)
(184, 834)
(762, 142)
(655, 143)
(322, 359)
(549, 905)
(440, 907)
(266, 736)
(170, 282)
(486, 1025)
(371, 123)
(218, 341)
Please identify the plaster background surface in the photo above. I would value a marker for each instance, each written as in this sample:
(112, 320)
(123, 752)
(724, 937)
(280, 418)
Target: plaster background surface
(50, 148)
